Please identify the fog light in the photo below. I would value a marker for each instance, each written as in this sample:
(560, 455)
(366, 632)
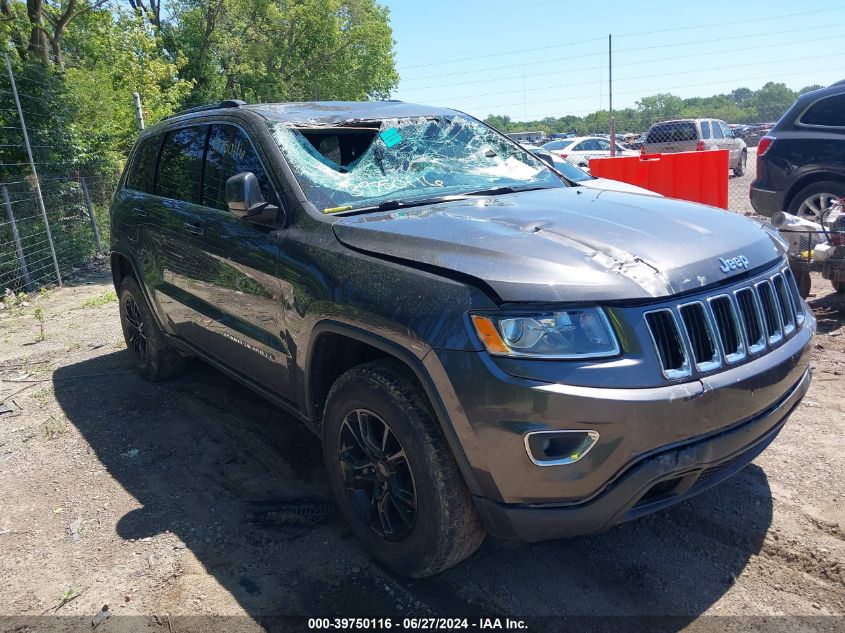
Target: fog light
(555, 448)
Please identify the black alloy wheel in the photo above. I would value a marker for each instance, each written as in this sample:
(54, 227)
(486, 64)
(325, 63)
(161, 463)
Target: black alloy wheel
(377, 474)
(137, 338)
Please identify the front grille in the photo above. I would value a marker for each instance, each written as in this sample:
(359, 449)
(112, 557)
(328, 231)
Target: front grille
(702, 342)
(726, 327)
(667, 340)
(771, 316)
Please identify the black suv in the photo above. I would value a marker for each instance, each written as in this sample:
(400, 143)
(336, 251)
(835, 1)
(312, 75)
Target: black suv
(801, 161)
(482, 345)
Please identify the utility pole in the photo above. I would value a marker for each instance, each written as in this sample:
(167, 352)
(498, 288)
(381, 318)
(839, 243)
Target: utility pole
(610, 95)
(39, 197)
(139, 113)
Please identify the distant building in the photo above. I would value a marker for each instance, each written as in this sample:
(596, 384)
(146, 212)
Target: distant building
(529, 137)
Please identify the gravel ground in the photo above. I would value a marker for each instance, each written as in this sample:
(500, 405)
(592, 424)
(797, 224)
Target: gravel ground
(196, 498)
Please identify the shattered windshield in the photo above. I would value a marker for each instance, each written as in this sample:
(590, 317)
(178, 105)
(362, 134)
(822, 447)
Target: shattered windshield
(366, 163)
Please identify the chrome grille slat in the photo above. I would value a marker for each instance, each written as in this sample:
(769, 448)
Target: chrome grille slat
(772, 319)
(726, 319)
(668, 343)
(700, 335)
(728, 326)
(752, 320)
(797, 302)
(784, 302)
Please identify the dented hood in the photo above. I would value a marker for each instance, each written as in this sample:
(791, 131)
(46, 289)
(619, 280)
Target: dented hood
(568, 244)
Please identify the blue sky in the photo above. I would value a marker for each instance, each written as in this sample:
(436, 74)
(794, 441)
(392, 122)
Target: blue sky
(476, 55)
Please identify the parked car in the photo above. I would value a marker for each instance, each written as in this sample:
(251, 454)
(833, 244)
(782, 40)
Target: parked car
(801, 161)
(690, 135)
(481, 346)
(581, 177)
(580, 149)
(636, 143)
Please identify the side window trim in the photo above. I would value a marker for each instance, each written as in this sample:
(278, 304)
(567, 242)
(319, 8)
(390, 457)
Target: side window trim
(211, 123)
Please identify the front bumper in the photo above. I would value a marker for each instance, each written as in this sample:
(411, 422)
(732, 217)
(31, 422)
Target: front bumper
(652, 483)
(491, 411)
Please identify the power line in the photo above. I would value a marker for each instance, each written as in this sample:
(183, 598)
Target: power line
(631, 50)
(633, 63)
(602, 38)
(639, 91)
(681, 72)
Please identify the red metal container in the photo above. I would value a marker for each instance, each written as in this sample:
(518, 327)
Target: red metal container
(695, 176)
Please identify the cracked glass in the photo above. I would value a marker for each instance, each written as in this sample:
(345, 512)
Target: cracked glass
(365, 163)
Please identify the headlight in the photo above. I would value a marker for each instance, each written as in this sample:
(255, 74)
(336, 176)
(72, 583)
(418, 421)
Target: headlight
(574, 333)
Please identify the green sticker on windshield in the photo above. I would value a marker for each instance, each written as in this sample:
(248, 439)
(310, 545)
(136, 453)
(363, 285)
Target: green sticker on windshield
(391, 137)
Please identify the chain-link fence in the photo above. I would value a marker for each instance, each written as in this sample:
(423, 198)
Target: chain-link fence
(658, 136)
(54, 215)
(77, 215)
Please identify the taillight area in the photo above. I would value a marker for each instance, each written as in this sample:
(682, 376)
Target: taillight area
(699, 147)
(764, 145)
(562, 155)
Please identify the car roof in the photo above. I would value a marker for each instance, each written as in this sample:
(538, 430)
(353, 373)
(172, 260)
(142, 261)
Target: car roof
(835, 89)
(333, 112)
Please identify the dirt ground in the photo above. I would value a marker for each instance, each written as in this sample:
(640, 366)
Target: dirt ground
(196, 498)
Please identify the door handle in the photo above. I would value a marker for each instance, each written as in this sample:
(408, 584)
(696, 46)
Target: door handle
(140, 212)
(195, 229)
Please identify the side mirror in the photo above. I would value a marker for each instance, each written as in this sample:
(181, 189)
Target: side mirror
(245, 200)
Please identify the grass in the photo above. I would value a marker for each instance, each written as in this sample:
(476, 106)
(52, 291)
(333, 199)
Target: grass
(39, 316)
(103, 299)
(54, 427)
(43, 396)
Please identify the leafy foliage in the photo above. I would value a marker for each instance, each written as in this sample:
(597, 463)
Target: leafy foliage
(742, 105)
(266, 50)
(86, 59)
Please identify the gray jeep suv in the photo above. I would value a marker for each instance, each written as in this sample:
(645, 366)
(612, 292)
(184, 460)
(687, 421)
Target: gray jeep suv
(482, 345)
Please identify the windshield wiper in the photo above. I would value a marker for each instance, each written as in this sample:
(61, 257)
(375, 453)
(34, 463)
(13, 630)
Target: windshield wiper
(391, 205)
(398, 203)
(497, 191)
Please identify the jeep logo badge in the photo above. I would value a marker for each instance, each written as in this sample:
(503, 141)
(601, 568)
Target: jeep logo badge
(727, 265)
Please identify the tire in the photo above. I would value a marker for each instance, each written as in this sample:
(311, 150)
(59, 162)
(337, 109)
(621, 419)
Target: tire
(152, 356)
(806, 203)
(417, 534)
(838, 286)
(805, 283)
(739, 169)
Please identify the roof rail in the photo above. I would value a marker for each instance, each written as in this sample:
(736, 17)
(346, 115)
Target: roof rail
(227, 103)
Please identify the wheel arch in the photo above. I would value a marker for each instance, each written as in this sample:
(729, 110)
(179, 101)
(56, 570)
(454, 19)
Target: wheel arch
(331, 340)
(807, 180)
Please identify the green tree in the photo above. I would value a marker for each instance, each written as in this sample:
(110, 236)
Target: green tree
(807, 89)
(265, 50)
(772, 100)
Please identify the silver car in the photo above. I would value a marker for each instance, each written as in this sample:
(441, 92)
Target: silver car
(690, 135)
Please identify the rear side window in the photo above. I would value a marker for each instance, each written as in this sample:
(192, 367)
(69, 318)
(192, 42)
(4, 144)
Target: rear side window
(672, 132)
(556, 144)
(590, 145)
(230, 152)
(829, 112)
(140, 176)
(180, 164)
(705, 130)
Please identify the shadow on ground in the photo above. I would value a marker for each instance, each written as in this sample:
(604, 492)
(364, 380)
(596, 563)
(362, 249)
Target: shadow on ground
(242, 486)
